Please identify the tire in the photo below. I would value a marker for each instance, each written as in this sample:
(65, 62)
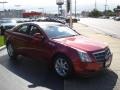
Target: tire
(0, 32)
(62, 66)
(11, 52)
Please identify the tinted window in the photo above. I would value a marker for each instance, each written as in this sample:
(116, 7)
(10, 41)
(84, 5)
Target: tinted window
(34, 30)
(23, 29)
(59, 31)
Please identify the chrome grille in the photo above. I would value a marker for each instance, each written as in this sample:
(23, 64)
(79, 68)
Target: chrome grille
(102, 55)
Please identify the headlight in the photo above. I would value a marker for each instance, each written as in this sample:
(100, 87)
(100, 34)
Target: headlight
(84, 56)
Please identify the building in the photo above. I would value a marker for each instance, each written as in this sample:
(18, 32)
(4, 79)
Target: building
(117, 10)
(31, 14)
(11, 13)
(85, 13)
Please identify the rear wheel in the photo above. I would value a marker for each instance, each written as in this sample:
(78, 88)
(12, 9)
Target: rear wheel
(62, 66)
(0, 32)
(11, 51)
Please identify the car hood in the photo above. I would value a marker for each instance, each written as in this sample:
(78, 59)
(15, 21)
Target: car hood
(81, 43)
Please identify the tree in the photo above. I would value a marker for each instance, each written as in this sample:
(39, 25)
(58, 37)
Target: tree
(110, 13)
(118, 6)
(95, 13)
(117, 10)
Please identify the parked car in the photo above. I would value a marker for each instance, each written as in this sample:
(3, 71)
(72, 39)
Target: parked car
(117, 18)
(63, 48)
(74, 20)
(104, 17)
(6, 24)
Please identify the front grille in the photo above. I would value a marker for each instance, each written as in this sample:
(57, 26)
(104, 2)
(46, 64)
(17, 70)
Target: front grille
(102, 55)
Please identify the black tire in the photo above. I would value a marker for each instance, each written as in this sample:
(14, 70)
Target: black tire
(0, 32)
(64, 73)
(11, 51)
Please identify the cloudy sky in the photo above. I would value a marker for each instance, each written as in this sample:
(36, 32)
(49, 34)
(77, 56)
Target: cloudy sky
(50, 5)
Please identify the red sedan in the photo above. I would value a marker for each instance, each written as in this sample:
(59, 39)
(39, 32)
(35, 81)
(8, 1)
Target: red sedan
(63, 48)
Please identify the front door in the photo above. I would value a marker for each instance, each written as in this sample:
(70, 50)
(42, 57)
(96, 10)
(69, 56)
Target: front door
(39, 49)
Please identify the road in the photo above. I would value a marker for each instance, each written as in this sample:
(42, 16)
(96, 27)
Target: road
(108, 26)
(27, 74)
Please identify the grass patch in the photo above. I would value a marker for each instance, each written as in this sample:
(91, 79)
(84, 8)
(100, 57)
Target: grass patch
(2, 41)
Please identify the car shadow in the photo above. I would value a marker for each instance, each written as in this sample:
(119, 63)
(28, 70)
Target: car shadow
(104, 81)
(35, 72)
(39, 74)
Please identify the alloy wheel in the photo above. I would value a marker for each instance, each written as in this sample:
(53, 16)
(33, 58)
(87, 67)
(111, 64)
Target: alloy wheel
(62, 66)
(10, 50)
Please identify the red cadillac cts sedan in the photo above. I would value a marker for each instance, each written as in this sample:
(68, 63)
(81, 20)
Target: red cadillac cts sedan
(63, 48)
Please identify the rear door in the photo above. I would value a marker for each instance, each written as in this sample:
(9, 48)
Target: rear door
(21, 36)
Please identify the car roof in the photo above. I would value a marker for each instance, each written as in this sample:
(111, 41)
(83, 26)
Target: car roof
(44, 23)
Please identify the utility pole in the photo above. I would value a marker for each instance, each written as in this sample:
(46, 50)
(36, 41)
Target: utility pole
(75, 8)
(95, 5)
(106, 8)
(71, 23)
(69, 12)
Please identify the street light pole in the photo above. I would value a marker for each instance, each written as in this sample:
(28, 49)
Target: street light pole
(71, 24)
(105, 7)
(95, 5)
(3, 4)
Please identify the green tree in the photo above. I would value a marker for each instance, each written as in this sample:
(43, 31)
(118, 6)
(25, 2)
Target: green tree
(118, 7)
(95, 13)
(110, 13)
(117, 10)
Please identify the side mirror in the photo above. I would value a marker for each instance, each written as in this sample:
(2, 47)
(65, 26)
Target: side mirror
(38, 36)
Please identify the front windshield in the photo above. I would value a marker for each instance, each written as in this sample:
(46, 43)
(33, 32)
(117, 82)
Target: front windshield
(59, 31)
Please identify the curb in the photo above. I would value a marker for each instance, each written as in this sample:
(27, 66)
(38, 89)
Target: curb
(3, 47)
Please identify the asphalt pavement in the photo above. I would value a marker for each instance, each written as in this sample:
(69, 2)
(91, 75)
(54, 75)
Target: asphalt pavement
(108, 26)
(109, 80)
(29, 74)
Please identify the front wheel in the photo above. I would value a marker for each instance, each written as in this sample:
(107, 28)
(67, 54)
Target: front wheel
(11, 51)
(62, 66)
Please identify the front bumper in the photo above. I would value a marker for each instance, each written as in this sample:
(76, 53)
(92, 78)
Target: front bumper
(91, 68)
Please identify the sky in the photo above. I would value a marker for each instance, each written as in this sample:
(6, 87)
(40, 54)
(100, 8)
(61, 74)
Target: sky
(50, 5)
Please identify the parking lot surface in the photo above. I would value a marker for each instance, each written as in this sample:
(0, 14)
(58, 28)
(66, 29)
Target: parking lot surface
(109, 80)
(31, 75)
